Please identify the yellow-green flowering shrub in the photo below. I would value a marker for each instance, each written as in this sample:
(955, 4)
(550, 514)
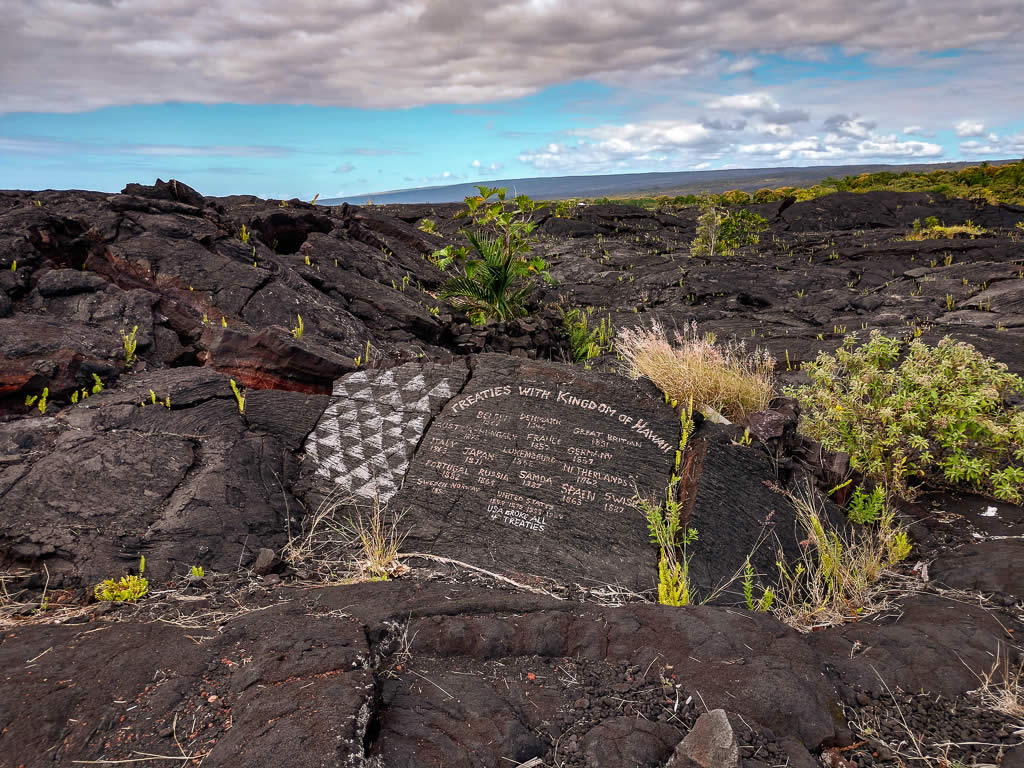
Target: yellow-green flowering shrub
(934, 412)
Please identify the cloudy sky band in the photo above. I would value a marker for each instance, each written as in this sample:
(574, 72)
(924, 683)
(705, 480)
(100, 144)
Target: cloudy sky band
(342, 98)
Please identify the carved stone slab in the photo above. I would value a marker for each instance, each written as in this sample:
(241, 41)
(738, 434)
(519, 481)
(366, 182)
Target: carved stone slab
(532, 469)
(376, 418)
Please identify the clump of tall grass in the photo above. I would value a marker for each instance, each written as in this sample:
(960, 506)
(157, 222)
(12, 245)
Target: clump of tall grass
(347, 539)
(726, 377)
(838, 576)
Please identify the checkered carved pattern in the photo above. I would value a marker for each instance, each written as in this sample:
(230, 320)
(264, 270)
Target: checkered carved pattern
(366, 437)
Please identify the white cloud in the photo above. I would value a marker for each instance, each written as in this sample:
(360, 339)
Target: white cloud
(746, 64)
(761, 105)
(35, 146)
(673, 145)
(71, 55)
(723, 125)
(850, 127)
(651, 136)
(617, 147)
(490, 167)
(912, 130)
(1005, 147)
(748, 103)
(680, 144)
(966, 128)
(891, 147)
(446, 177)
(833, 148)
(777, 131)
(345, 168)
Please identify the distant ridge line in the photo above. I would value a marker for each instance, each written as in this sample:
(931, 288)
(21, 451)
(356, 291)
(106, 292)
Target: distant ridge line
(648, 184)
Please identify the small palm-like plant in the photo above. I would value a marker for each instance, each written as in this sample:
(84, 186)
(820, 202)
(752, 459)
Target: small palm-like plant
(498, 275)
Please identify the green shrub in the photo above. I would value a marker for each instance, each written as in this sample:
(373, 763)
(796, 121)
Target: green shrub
(685, 200)
(127, 589)
(129, 342)
(764, 603)
(564, 209)
(664, 521)
(240, 395)
(938, 414)
(586, 342)
(39, 400)
(736, 197)
(864, 508)
(741, 227)
(443, 257)
(708, 242)
(497, 274)
(720, 232)
(932, 230)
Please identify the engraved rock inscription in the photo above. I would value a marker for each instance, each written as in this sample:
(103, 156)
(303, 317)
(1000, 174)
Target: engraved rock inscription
(532, 469)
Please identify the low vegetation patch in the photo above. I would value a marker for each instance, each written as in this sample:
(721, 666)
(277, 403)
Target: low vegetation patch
(586, 340)
(726, 377)
(939, 413)
(932, 230)
(992, 184)
(39, 401)
(239, 396)
(839, 574)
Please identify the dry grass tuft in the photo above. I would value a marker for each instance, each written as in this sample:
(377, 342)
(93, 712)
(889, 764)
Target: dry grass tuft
(1002, 688)
(19, 607)
(726, 377)
(349, 539)
(379, 539)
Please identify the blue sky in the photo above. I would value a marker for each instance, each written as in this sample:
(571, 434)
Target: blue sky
(366, 95)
